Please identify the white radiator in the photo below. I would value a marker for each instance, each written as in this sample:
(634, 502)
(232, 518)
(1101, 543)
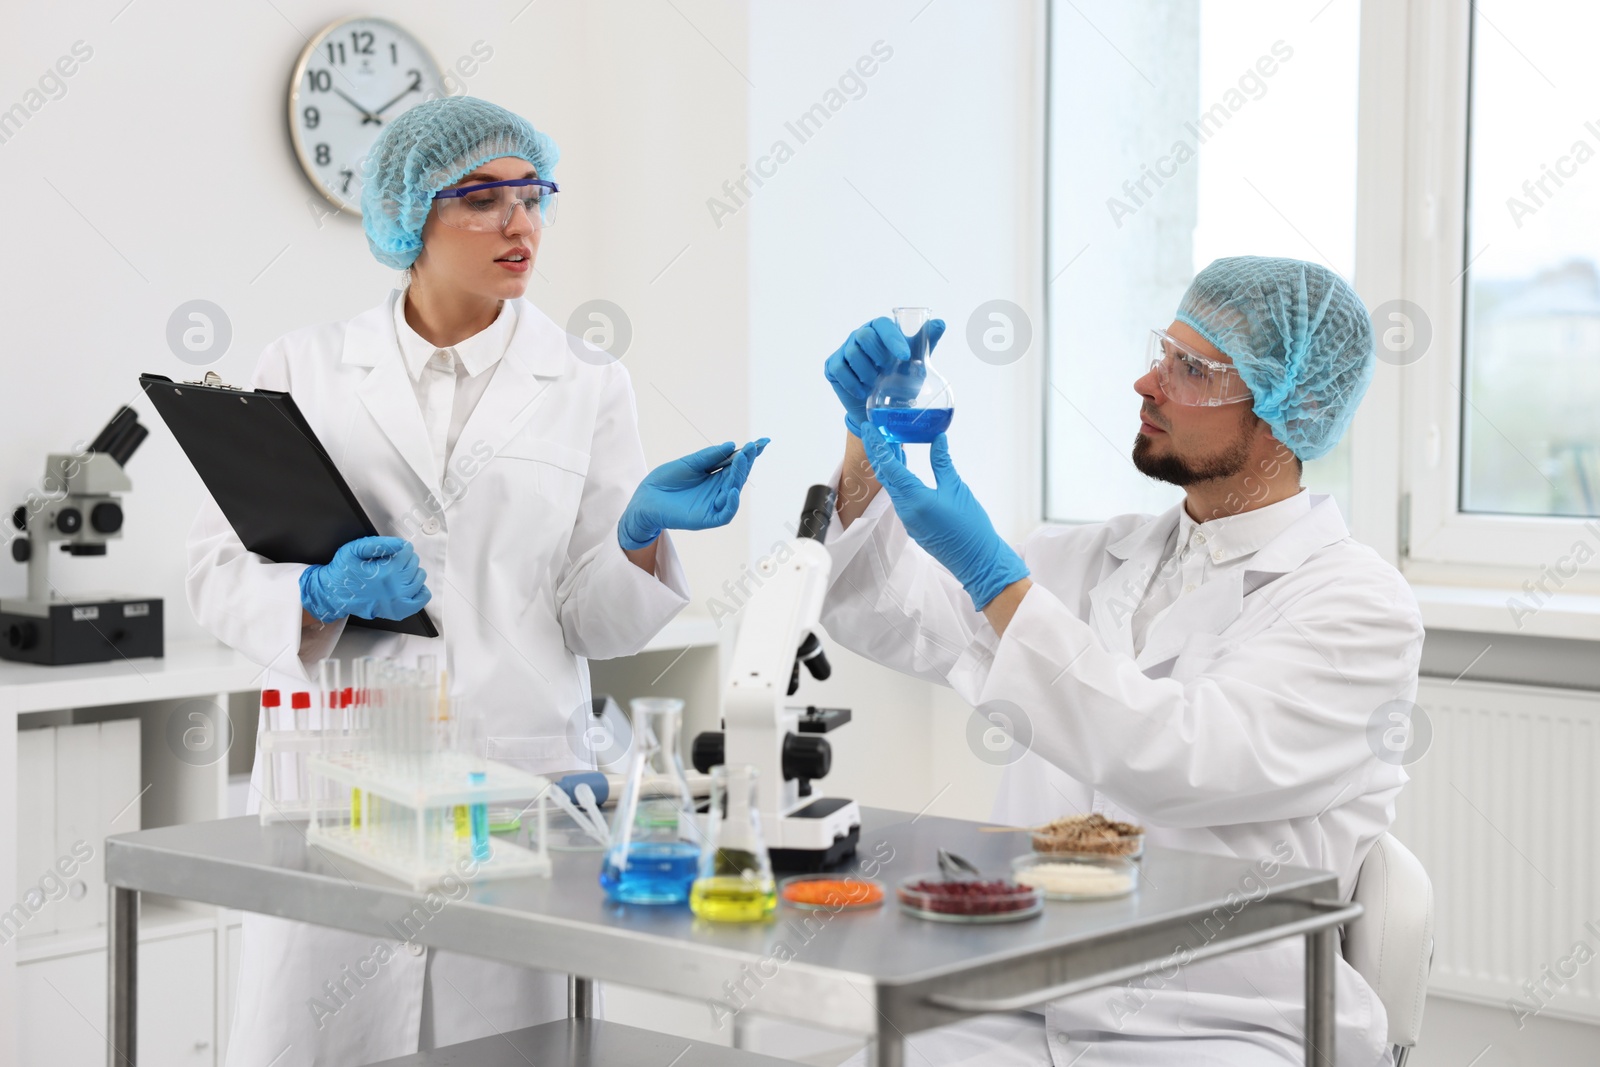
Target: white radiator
(1504, 812)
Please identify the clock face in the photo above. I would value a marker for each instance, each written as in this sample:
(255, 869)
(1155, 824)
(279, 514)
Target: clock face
(352, 79)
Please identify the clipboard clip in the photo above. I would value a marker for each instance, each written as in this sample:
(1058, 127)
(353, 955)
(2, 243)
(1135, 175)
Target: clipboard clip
(214, 380)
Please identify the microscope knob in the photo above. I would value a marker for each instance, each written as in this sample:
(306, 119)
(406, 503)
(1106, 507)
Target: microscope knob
(806, 756)
(19, 518)
(69, 520)
(22, 635)
(707, 751)
(21, 548)
(106, 517)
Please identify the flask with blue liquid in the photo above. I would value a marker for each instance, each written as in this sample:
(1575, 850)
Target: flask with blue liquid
(654, 855)
(913, 403)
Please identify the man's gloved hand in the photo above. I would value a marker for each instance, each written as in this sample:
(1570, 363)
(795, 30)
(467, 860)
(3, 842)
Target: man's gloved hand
(947, 520)
(854, 369)
(370, 578)
(697, 492)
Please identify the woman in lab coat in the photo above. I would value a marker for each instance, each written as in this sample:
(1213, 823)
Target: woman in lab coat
(1211, 672)
(503, 459)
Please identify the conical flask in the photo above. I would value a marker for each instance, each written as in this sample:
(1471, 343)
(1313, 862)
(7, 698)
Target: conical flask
(912, 403)
(735, 883)
(654, 853)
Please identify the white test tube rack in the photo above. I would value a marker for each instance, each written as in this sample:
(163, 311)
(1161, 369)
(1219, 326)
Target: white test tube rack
(285, 781)
(403, 820)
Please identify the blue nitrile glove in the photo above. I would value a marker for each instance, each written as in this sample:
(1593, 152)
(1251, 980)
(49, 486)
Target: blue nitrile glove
(697, 492)
(854, 369)
(947, 520)
(370, 577)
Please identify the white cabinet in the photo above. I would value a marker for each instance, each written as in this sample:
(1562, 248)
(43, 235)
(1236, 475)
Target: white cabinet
(62, 1006)
(61, 1011)
(177, 1005)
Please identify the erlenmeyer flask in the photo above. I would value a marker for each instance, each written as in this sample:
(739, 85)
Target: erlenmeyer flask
(912, 403)
(735, 883)
(654, 853)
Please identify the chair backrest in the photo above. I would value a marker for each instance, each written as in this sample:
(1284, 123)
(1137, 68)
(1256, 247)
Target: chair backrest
(1391, 945)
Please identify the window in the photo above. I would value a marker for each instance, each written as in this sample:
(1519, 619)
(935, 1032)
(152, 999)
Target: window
(1530, 440)
(1179, 133)
(1499, 442)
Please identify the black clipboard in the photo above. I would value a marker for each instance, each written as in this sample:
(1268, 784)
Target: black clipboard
(269, 474)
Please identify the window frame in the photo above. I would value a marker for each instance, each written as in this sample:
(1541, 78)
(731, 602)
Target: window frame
(1444, 543)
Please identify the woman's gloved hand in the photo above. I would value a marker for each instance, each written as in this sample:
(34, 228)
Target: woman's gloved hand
(854, 369)
(370, 578)
(697, 492)
(947, 520)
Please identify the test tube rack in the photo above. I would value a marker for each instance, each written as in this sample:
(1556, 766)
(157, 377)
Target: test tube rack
(403, 814)
(285, 782)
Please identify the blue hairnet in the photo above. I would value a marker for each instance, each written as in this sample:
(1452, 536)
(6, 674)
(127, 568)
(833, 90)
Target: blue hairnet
(1300, 337)
(428, 148)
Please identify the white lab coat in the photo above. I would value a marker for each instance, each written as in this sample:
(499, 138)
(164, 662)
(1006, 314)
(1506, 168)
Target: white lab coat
(519, 543)
(1240, 729)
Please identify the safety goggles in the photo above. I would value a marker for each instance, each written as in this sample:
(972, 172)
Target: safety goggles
(1189, 378)
(488, 207)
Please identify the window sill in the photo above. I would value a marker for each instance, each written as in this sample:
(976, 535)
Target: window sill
(1508, 611)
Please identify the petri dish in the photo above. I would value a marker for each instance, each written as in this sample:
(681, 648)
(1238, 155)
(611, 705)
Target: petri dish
(968, 900)
(831, 892)
(1077, 875)
(1091, 834)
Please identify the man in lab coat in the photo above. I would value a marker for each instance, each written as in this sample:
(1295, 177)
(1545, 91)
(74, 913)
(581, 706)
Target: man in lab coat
(1209, 672)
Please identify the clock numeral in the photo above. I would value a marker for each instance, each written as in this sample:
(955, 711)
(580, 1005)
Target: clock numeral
(340, 54)
(361, 42)
(348, 174)
(319, 81)
(324, 155)
(394, 54)
(313, 118)
(416, 81)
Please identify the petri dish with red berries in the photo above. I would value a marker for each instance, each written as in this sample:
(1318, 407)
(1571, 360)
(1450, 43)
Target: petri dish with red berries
(968, 900)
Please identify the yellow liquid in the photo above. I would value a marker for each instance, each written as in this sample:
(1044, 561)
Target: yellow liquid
(731, 899)
(355, 809)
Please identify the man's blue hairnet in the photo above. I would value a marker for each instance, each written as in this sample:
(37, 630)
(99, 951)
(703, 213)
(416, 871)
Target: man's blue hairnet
(1300, 337)
(428, 148)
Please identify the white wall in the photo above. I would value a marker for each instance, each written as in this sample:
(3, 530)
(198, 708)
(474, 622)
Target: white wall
(916, 190)
(171, 143)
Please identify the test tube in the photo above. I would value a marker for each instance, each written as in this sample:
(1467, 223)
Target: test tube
(300, 707)
(470, 742)
(329, 710)
(354, 698)
(271, 701)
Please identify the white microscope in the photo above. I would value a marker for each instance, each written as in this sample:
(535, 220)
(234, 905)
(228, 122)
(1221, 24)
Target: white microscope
(79, 511)
(804, 830)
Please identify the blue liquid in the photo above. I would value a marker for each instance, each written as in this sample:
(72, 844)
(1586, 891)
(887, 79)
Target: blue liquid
(478, 816)
(656, 873)
(912, 426)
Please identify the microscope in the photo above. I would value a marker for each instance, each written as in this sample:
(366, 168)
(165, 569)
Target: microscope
(804, 830)
(80, 509)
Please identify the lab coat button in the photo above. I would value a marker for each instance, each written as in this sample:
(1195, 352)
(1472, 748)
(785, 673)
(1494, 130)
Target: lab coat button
(1217, 555)
(414, 948)
(430, 527)
(1188, 588)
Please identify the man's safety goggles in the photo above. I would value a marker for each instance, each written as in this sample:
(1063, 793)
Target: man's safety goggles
(1190, 378)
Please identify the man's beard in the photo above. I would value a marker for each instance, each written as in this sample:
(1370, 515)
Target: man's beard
(1179, 471)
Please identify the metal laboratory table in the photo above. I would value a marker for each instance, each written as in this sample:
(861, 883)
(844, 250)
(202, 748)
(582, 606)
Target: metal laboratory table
(880, 973)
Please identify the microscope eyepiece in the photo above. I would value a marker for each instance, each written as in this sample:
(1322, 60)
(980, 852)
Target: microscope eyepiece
(817, 512)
